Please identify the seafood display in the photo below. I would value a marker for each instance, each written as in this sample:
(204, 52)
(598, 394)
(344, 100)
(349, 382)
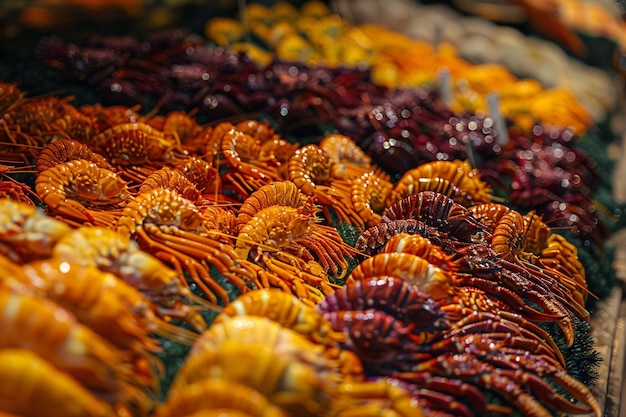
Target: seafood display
(290, 229)
(397, 60)
(481, 41)
(225, 79)
(396, 126)
(220, 243)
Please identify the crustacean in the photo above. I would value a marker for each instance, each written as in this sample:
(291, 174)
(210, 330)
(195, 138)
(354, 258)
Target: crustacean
(275, 151)
(292, 313)
(457, 172)
(313, 171)
(416, 271)
(374, 398)
(181, 126)
(105, 117)
(91, 58)
(435, 395)
(380, 341)
(512, 329)
(554, 251)
(220, 223)
(34, 115)
(555, 179)
(488, 214)
(12, 186)
(171, 179)
(471, 259)
(445, 187)
(114, 252)
(242, 152)
(439, 211)
(260, 130)
(537, 233)
(72, 125)
(372, 240)
(196, 144)
(51, 391)
(27, 233)
(369, 194)
(507, 228)
(250, 153)
(561, 255)
(284, 238)
(350, 159)
(408, 304)
(212, 142)
(283, 308)
(201, 173)
(50, 331)
(481, 267)
(518, 378)
(136, 149)
(17, 191)
(172, 228)
(546, 288)
(293, 372)
(419, 245)
(64, 150)
(508, 240)
(320, 388)
(387, 341)
(10, 95)
(205, 177)
(492, 299)
(428, 213)
(100, 300)
(75, 190)
(526, 238)
(282, 193)
(221, 395)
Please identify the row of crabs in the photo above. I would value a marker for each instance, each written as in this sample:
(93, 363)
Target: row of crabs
(80, 307)
(276, 238)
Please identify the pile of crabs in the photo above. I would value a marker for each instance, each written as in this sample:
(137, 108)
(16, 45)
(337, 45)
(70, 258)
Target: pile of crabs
(304, 279)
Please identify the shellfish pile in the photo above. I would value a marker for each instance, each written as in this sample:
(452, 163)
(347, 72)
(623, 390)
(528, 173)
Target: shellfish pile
(536, 162)
(479, 40)
(371, 290)
(375, 266)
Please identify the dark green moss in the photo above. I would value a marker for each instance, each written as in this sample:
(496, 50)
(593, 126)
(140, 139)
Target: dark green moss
(599, 270)
(173, 356)
(581, 359)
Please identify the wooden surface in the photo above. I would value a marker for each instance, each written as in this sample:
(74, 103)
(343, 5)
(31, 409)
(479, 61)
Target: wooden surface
(608, 330)
(609, 322)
